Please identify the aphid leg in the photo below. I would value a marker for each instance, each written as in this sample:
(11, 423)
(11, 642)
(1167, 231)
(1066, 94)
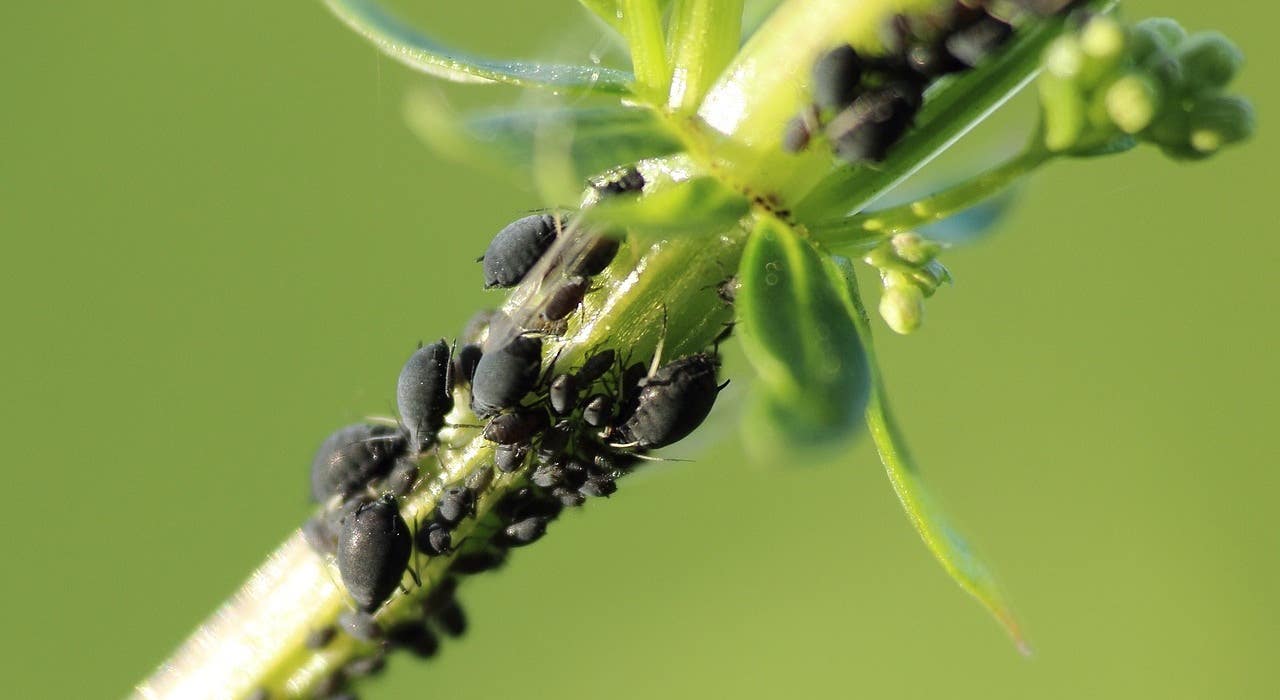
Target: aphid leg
(662, 340)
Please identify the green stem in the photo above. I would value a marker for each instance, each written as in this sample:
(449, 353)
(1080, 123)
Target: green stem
(642, 28)
(704, 36)
(257, 639)
(872, 227)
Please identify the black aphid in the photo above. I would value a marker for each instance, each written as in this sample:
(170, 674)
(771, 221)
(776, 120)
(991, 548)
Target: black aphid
(402, 478)
(352, 457)
(516, 428)
(598, 411)
(440, 595)
(525, 531)
(565, 298)
(598, 486)
(596, 256)
(451, 619)
(361, 626)
(796, 134)
(554, 442)
(548, 475)
(517, 247)
(478, 562)
(373, 551)
(673, 401)
(629, 180)
(479, 480)
(595, 367)
(456, 503)
(424, 393)
(632, 377)
(836, 77)
(320, 637)
(366, 666)
(973, 43)
(875, 122)
(415, 637)
(509, 458)
(330, 687)
(505, 376)
(563, 394)
(435, 539)
(465, 361)
(569, 498)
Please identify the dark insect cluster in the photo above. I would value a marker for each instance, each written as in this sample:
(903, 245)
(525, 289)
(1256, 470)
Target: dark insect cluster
(562, 433)
(864, 104)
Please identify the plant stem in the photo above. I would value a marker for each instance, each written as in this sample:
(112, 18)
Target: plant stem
(704, 36)
(871, 227)
(642, 28)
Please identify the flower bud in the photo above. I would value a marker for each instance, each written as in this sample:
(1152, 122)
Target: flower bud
(913, 248)
(1064, 58)
(1102, 41)
(1064, 112)
(902, 308)
(1132, 102)
(1219, 121)
(1155, 35)
(1209, 60)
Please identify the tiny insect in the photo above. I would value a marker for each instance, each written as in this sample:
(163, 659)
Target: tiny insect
(836, 77)
(554, 442)
(598, 486)
(673, 401)
(629, 180)
(598, 411)
(456, 503)
(373, 552)
(563, 394)
(516, 428)
(435, 540)
(352, 457)
(547, 475)
(876, 121)
(525, 531)
(451, 619)
(569, 498)
(361, 626)
(595, 367)
(516, 249)
(596, 255)
(402, 478)
(509, 458)
(414, 636)
(465, 362)
(971, 44)
(566, 297)
(366, 666)
(424, 393)
(505, 376)
(796, 134)
(320, 637)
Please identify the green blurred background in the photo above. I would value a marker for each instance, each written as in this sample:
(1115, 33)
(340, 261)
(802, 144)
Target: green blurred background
(220, 242)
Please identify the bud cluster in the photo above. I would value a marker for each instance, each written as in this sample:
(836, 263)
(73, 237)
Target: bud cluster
(1108, 84)
(909, 272)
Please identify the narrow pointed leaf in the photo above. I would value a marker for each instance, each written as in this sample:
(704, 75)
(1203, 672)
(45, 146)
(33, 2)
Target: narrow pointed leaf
(943, 540)
(641, 25)
(798, 335)
(422, 53)
(703, 38)
(518, 142)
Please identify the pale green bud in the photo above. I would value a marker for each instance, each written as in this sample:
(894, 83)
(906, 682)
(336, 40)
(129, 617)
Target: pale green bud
(902, 308)
(1209, 60)
(1154, 34)
(1133, 102)
(1219, 121)
(913, 248)
(1064, 112)
(1103, 39)
(1064, 58)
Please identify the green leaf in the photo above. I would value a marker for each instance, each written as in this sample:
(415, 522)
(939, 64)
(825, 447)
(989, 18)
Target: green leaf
(517, 142)
(420, 52)
(798, 334)
(699, 205)
(943, 540)
(704, 36)
(641, 25)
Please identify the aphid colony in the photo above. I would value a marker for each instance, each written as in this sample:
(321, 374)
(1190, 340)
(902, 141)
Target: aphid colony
(567, 433)
(864, 104)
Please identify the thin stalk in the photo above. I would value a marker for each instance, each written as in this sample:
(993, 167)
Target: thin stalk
(641, 23)
(871, 227)
(704, 37)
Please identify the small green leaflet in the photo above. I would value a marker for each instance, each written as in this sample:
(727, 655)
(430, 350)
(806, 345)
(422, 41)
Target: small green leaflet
(420, 52)
(943, 540)
(798, 335)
